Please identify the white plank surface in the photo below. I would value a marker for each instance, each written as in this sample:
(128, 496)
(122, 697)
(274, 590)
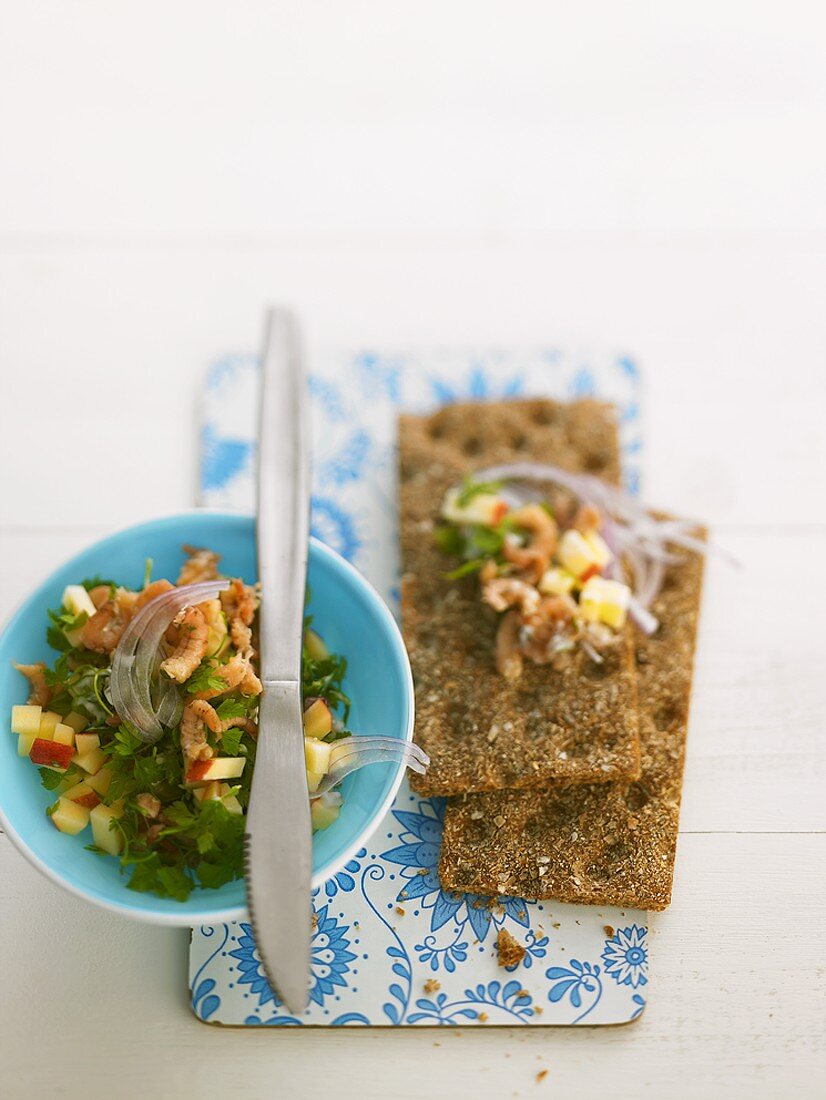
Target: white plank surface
(647, 178)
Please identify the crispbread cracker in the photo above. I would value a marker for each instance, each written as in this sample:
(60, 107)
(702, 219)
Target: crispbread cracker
(607, 844)
(482, 732)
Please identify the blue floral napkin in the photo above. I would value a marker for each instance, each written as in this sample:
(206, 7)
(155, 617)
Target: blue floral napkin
(391, 947)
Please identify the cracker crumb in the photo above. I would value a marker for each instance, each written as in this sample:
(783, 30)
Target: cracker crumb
(556, 924)
(315, 921)
(432, 985)
(543, 1073)
(537, 1010)
(482, 1017)
(608, 930)
(399, 910)
(509, 951)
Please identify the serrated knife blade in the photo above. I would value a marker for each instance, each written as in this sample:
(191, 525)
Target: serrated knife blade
(278, 842)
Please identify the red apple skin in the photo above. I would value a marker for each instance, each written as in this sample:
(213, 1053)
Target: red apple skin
(89, 800)
(591, 571)
(198, 771)
(500, 512)
(51, 754)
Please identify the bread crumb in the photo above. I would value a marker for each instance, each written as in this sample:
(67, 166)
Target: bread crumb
(432, 985)
(508, 950)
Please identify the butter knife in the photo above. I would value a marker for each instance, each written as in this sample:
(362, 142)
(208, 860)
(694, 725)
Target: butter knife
(278, 839)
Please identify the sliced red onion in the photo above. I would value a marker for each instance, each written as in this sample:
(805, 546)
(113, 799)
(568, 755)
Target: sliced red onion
(352, 753)
(631, 531)
(136, 661)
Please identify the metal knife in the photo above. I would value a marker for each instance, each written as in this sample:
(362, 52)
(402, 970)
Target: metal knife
(278, 831)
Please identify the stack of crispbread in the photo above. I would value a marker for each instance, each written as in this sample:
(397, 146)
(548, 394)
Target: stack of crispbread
(566, 782)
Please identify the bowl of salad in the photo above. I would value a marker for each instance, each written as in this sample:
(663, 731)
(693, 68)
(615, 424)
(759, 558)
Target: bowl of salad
(158, 623)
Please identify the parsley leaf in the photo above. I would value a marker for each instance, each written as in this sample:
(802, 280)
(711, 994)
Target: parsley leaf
(471, 489)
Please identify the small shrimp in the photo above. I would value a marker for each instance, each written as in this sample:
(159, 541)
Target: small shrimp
(508, 653)
(240, 602)
(156, 588)
(545, 632)
(504, 592)
(201, 565)
(103, 630)
(587, 519)
(100, 594)
(191, 647)
(232, 674)
(40, 694)
(535, 556)
(250, 685)
(148, 804)
(196, 717)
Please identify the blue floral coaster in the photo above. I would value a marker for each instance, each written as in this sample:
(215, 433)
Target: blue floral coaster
(391, 947)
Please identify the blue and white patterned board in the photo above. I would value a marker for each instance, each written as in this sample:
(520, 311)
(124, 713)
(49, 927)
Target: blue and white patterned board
(390, 946)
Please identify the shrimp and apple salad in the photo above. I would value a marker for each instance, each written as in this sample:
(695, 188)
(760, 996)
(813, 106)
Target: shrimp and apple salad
(159, 769)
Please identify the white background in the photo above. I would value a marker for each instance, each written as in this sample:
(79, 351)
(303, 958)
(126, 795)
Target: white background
(650, 177)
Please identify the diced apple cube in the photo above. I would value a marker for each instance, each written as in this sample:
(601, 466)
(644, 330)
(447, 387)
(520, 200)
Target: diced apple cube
(315, 646)
(219, 767)
(606, 601)
(91, 762)
(63, 735)
(576, 553)
(83, 794)
(485, 509)
(85, 742)
(49, 754)
(76, 721)
(317, 755)
(556, 582)
(325, 810)
(209, 792)
(77, 600)
(48, 721)
(26, 720)
(313, 780)
(70, 817)
(105, 837)
(599, 548)
(229, 799)
(24, 744)
(100, 781)
(318, 719)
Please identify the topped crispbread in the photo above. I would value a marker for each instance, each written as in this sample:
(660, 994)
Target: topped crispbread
(576, 723)
(606, 844)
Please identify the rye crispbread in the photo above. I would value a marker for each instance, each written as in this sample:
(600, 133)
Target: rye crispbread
(606, 844)
(482, 732)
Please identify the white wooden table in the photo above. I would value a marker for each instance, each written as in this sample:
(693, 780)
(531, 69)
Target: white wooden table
(592, 174)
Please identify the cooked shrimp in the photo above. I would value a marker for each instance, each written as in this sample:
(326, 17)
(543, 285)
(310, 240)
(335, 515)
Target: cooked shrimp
(100, 594)
(103, 630)
(508, 653)
(587, 518)
(504, 592)
(193, 633)
(232, 673)
(240, 602)
(40, 694)
(148, 804)
(544, 632)
(197, 715)
(201, 565)
(250, 685)
(156, 588)
(535, 556)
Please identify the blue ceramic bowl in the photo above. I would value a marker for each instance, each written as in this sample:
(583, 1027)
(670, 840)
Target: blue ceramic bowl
(348, 614)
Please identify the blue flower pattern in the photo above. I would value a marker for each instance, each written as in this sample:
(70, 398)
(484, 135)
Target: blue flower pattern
(390, 945)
